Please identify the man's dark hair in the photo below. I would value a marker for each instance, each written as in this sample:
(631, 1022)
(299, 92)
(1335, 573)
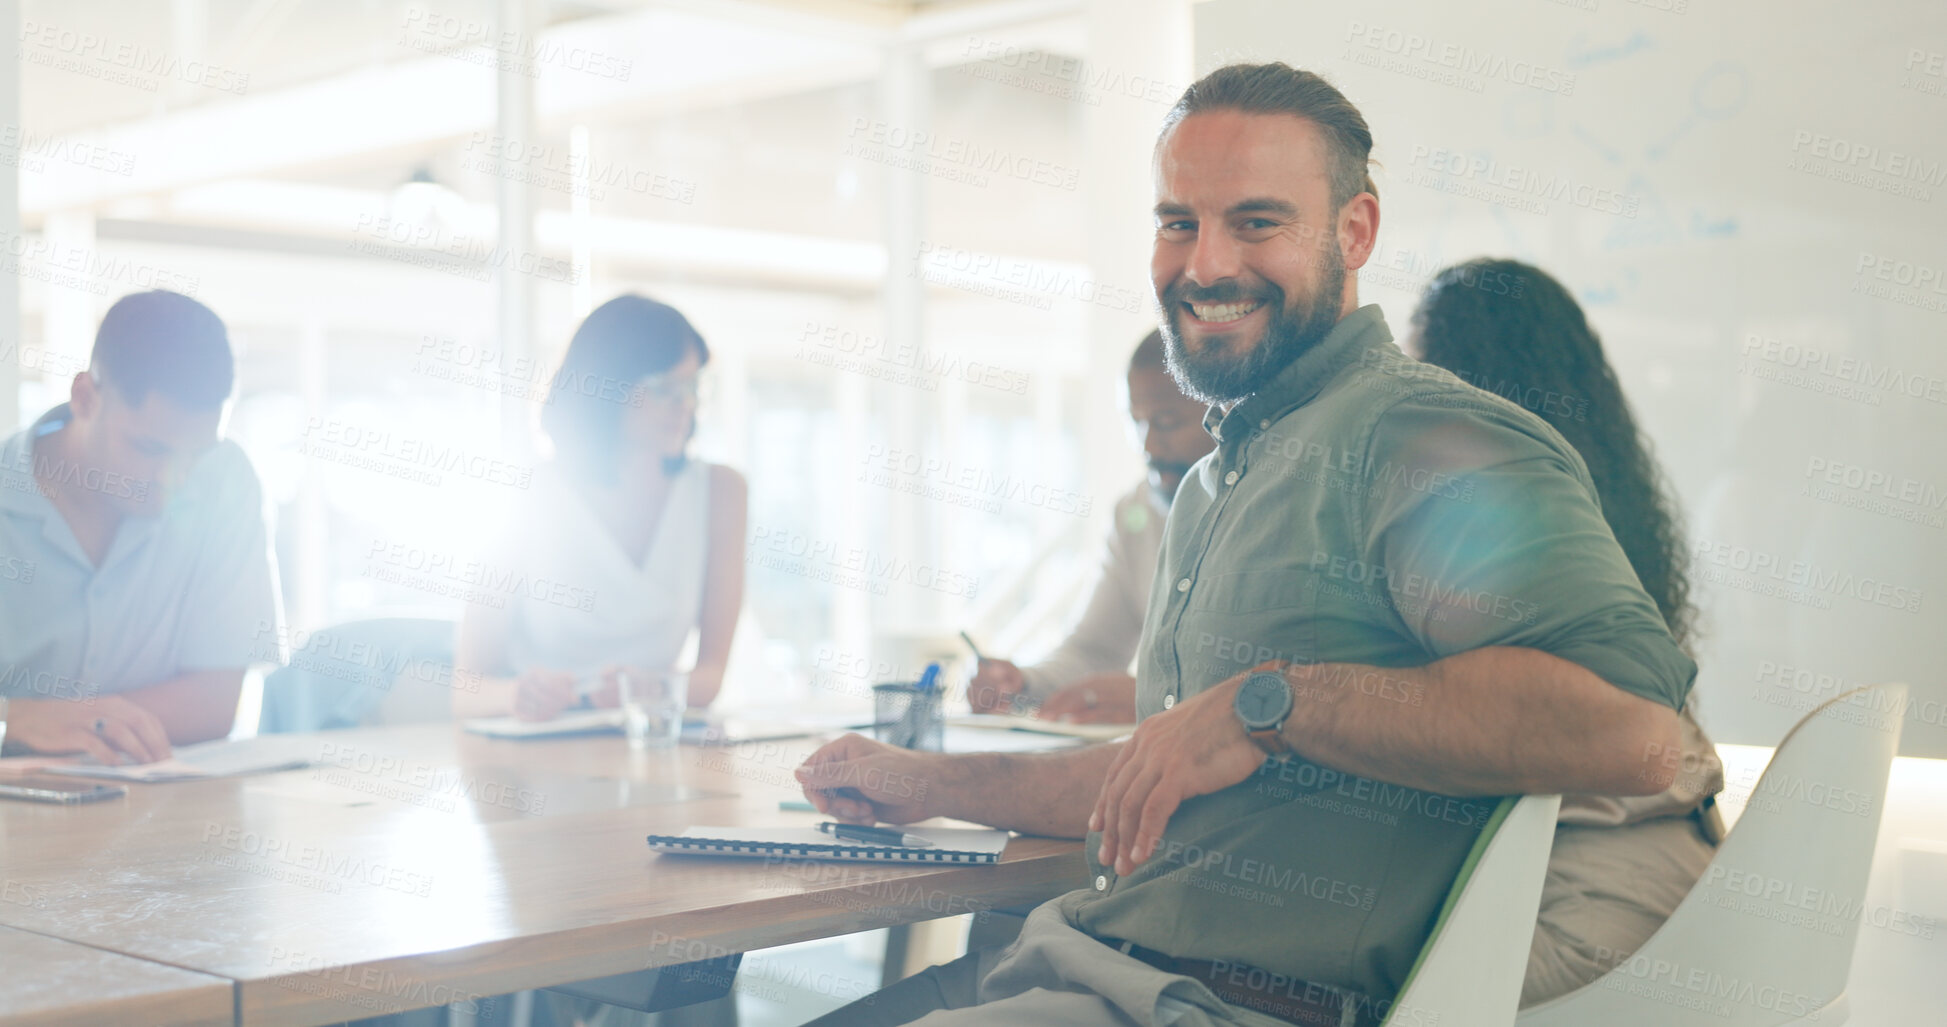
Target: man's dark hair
(1513, 330)
(1149, 355)
(166, 343)
(620, 343)
(1279, 88)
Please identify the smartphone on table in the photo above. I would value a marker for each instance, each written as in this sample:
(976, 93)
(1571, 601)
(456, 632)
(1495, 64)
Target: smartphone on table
(66, 791)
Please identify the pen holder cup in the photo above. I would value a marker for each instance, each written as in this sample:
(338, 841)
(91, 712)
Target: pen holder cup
(904, 716)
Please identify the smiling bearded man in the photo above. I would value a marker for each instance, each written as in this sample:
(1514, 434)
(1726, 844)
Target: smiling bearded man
(1207, 369)
(1386, 600)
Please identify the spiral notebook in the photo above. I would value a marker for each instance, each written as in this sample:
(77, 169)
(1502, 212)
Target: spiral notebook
(950, 844)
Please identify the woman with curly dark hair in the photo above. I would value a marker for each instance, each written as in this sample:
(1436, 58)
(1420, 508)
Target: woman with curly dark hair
(1509, 328)
(1619, 865)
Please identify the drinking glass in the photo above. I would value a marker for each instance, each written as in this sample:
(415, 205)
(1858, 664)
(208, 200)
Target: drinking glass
(652, 706)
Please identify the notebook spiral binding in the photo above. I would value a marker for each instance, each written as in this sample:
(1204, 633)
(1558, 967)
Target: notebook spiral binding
(869, 853)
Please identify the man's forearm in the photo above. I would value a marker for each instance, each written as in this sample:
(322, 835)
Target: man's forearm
(1047, 794)
(1495, 721)
(1064, 667)
(1104, 640)
(197, 706)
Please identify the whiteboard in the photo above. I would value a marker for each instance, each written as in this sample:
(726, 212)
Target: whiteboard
(1758, 230)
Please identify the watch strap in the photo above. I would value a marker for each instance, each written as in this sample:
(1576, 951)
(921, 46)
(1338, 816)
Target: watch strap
(1271, 740)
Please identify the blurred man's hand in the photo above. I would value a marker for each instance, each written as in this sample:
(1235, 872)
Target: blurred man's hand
(993, 687)
(110, 728)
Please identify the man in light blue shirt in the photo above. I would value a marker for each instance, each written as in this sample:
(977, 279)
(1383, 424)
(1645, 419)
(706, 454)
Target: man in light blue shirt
(136, 579)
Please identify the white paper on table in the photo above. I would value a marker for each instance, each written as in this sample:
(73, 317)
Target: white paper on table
(222, 758)
(1007, 722)
(570, 723)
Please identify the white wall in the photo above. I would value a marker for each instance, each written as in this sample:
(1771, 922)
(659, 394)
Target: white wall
(1744, 253)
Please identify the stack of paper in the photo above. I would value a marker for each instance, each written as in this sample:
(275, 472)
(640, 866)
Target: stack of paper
(222, 758)
(1004, 722)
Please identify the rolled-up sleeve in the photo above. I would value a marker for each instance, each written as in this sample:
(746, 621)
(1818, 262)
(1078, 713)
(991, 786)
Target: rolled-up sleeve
(233, 617)
(1489, 533)
(1104, 641)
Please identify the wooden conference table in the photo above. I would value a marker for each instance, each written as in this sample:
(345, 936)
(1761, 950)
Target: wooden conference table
(419, 866)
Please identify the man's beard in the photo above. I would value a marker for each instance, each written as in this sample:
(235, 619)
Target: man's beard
(1164, 491)
(1213, 376)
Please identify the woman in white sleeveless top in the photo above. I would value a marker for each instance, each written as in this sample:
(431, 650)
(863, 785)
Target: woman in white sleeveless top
(1620, 864)
(623, 544)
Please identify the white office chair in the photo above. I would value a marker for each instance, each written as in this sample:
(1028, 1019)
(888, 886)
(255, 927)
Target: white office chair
(382, 670)
(1470, 970)
(1766, 936)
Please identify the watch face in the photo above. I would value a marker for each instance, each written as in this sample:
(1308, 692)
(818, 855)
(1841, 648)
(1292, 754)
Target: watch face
(1263, 701)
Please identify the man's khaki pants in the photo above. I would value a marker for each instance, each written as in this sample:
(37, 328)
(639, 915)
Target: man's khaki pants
(1608, 889)
(1052, 976)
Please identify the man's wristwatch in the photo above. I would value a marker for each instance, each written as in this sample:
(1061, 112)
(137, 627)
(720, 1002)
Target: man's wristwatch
(1263, 703)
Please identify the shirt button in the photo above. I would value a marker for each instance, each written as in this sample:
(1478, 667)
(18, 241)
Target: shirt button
(1169, 702)
(1231, 478)
(1183, 586)
(1101, 882)
(1266, 423)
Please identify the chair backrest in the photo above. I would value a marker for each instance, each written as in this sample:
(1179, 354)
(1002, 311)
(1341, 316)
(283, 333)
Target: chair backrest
(422, 691)
(1470, 970)
(346, 675)
(1766, 935)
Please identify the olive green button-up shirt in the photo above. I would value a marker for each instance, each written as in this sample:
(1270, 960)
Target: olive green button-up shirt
(1368, 509)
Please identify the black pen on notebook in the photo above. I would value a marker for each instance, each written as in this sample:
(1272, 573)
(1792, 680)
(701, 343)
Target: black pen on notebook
(876, 835)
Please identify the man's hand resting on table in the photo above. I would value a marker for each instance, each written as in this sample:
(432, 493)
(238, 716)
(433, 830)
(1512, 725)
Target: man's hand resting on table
(1196, 748)
(109, 728)
(860, 781)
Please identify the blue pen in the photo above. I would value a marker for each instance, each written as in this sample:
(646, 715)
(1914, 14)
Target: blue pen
(925, 707)
(905, 733)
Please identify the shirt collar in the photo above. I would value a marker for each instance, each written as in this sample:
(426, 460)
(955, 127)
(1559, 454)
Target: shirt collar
(19, 491)
(1297, 384)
